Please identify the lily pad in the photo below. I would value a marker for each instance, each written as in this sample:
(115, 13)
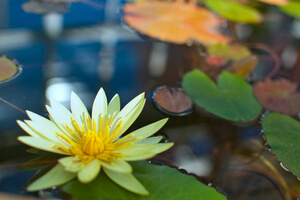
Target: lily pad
(231, 99)
(292, 9)
(276, 2)
(161, 181)
(172, 101)
(234, 11)
(279, 95)
(232, 52)
(9, 69)
(283, 135)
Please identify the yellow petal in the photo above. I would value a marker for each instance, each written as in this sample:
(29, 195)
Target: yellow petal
(71, 164)
(56, 176)
(118, 165)
(90, 171)
(99, 107)
(79, 111)
(40, 143)
(127, 181)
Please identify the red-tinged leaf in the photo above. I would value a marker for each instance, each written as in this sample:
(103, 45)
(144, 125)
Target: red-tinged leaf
(175, 22)
(279, 95)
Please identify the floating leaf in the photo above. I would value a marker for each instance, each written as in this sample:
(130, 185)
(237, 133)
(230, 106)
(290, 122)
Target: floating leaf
(279, 95)
(45, 7)
(292, 9)
(175, 22)
(244, 67)
(234, 52)
(276, 2)
(283, 135)
(161, 181)
(8, 69)
(172, 101)
(231, 99)
(234, 11)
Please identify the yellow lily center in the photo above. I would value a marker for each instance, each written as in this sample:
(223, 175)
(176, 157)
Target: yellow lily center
(88, 143)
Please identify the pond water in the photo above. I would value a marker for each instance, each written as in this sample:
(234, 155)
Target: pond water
(90, 47)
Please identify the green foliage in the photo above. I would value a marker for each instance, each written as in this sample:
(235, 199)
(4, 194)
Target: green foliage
(161, 181)
(292, 9)
(231, 99)
(283, 135)
(234, 11)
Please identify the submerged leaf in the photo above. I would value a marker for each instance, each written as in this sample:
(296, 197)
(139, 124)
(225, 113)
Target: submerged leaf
(234, 11)
(231, 99)
(175, 22)
(162, 182)
(45, 7)
(279, 95)
(283, 135)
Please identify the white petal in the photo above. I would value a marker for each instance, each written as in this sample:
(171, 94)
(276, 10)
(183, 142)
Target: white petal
(131, 116)
(151, 140)
(129, 106)
(71, 164)
(118, 165)
(46, 132)
(56, 176)
(127, 181)
(139, 157)
(161, 147)
(43, 121)
(29, 130)
(114, 105)
(61, 116)
(79, 111)
(90, 171)
(99, 107)
(135, 149)
(41, 144)
(148, 130)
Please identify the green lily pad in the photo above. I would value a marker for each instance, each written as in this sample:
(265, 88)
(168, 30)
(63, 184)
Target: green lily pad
(161, 181)
(292, 9)
(234, 11)
(283, 135)
(231, 99)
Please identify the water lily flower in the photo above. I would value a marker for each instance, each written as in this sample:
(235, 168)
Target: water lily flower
(91, 143)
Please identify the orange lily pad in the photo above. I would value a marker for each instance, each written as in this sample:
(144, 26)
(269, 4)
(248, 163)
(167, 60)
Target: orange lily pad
(278, 95)
(8, 69)
(175, 22)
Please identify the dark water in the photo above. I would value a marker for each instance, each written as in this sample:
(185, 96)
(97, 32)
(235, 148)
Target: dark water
(87, 56)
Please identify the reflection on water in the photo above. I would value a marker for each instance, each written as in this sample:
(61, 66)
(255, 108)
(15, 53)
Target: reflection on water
(229, 157)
